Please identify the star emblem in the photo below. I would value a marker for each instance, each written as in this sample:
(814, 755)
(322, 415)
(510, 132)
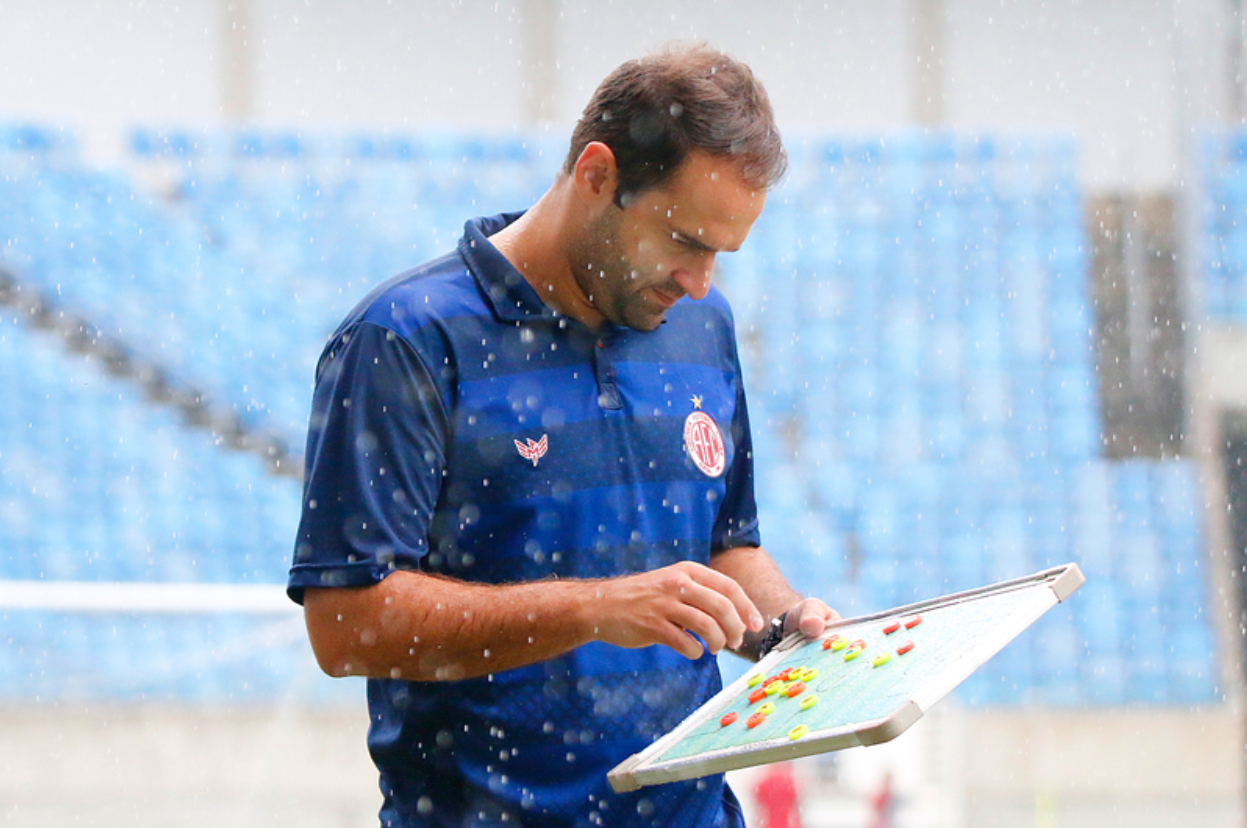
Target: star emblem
(697, 401)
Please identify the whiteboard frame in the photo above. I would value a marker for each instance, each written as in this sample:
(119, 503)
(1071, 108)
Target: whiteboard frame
(1049, 587)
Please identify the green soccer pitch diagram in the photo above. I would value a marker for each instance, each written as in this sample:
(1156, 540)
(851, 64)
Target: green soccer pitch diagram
(864, 681)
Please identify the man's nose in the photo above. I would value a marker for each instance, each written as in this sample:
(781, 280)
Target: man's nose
(695, 281)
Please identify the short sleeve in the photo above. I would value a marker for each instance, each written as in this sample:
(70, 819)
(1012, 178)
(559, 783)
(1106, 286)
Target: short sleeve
(375, 454)
(737, 521)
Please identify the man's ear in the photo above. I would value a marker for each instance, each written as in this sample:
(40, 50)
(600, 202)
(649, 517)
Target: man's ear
(595, 173)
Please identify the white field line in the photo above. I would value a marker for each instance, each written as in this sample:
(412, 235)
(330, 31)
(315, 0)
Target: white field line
(90, 596)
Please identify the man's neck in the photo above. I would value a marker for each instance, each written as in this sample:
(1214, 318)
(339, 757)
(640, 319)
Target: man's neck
(536, 246)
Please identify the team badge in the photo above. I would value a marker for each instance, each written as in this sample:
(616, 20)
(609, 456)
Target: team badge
(534, 449)
(703, 442)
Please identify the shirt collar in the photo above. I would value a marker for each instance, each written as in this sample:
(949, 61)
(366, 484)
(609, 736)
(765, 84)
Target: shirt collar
(505, 288)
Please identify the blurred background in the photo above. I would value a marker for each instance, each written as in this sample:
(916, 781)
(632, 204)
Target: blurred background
(995, 320)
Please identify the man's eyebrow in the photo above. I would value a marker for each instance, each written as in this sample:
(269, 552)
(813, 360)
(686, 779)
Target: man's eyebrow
(692, 241)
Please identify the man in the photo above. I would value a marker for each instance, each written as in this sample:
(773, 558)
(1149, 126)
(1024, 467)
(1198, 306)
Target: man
(528, 513)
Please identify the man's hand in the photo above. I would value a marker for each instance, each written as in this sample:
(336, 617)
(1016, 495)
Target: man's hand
(770, 591)
(669, 606)
(811, 616)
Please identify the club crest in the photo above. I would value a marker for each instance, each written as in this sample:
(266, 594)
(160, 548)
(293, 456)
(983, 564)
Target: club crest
(704, 442)
(534, 449)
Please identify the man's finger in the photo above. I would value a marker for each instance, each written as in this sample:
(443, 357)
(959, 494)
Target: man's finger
(706, 627)
(811, 617)
(730, 589)
(715, 613)
(675, 637)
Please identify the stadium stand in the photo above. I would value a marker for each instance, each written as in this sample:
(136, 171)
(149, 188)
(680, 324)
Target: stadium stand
(99, 485)
(1221, 161)
(915, 322)
(921, 333)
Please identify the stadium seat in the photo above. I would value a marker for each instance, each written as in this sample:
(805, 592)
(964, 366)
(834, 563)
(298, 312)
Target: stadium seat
(914, 319)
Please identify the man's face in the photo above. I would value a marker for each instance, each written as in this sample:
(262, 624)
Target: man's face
(634, 263)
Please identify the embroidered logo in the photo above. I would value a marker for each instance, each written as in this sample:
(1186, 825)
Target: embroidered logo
(703, 441)
(534, 449)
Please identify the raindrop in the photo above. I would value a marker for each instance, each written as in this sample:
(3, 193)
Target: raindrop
(366, 442)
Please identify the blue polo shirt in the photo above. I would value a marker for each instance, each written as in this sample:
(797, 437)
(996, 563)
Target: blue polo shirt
(461, 427)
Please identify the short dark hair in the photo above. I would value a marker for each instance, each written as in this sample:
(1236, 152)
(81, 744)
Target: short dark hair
(653, 111)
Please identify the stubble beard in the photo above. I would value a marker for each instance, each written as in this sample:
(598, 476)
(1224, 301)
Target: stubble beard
(608, 278)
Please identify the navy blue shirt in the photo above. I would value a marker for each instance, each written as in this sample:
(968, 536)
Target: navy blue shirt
(462, 427)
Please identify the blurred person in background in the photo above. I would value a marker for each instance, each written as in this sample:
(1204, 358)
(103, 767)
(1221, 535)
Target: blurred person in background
(883, 804)
(777, 797)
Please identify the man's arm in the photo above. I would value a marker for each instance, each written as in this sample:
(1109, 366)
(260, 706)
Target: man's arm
(755, 569)
(425, 628)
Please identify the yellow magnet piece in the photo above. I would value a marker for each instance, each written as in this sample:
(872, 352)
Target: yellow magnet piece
(809, 674)
(774, 687)
(755, 679)
(797, 732)
(839, 644)
(852, 654)
(808, 702)
(881, 660)
(767, 709)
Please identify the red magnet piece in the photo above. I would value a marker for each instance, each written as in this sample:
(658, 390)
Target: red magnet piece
(785, 674)
(859, 644)
(795, 690)
(904, 648)
(729, 718)
(772, 680)
(891, 628)
(829, 640)
(757, 695)
(913, 622)
(755, 720)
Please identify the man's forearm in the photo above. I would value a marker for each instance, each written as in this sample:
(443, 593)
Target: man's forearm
(425, 628)
(766, 586)
(422, 628)
(756, 571)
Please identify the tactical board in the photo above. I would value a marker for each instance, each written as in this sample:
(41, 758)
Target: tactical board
(864, 681)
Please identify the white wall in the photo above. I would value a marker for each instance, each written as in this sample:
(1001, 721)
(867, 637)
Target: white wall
(1128, 76)
(101, 66)
(383, 63)
(309, 767)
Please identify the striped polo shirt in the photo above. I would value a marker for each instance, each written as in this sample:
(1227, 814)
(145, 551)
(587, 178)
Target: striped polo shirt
(462, 427)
